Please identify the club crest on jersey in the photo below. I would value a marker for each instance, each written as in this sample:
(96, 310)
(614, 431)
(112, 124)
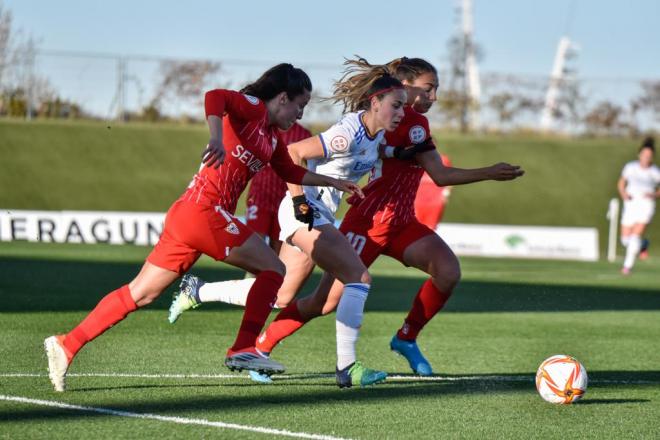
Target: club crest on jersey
(252, 99)
(417, 134)
(339, 144)
(232, 229)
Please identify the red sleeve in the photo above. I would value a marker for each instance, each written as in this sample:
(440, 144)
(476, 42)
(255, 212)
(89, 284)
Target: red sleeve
(219, 102)
(284, 166)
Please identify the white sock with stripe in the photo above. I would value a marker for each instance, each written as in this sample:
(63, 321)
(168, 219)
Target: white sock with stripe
(229, 292)
(350, 311)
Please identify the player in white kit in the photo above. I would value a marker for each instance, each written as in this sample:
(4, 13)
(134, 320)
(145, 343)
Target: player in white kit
(639, 186)
(374, 100)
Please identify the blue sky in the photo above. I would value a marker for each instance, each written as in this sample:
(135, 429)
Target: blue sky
(618, 39)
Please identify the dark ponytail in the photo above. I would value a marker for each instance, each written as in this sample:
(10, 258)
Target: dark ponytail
(281, 78)
(649, 143)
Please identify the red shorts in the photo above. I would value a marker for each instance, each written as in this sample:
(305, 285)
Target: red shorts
(371, 239)
(263, 221)
(191, 230)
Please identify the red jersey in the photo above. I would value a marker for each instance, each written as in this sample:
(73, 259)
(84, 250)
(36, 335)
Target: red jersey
(250, 143)
(390, 194)
(267, 189)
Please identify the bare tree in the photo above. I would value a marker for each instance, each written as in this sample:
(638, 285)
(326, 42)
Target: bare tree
(181, 81)
(604, 118)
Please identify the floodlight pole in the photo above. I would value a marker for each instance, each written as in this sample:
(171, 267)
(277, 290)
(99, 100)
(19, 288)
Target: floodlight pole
(471, 80)
(556, 79)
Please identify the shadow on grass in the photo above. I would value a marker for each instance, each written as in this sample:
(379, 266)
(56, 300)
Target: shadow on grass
(40, 285)
(302, 393)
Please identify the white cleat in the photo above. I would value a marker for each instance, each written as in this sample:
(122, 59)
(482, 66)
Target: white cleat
(57, 362)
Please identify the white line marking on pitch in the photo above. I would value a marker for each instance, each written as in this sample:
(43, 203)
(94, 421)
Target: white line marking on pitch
(392, 378)
(179, 420)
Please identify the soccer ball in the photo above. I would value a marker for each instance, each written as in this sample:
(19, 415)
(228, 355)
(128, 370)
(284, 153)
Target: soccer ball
(561, 379)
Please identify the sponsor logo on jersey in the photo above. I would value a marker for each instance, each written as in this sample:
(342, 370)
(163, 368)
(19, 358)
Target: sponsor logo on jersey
(362, 166)
(417, 134)
(252, 99)
(339, 144)
(248, 158)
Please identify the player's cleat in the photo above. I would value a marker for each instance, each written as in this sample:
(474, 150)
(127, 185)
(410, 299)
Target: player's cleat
(358, 374)
(644, 255)
(252, 359)
(184, 299)
(259, 377)
(415, 358)
(58, 362)
(644, 250)
(625, 271)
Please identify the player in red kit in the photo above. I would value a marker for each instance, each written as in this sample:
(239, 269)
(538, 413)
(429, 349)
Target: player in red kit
(266, 192)
(384, 222)
(431, 199)
(244, 137)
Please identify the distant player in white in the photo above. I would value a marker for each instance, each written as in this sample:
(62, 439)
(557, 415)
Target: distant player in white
(638, 186)
(350, 148)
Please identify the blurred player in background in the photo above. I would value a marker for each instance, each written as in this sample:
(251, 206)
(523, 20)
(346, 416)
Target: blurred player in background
(431, 199)
(266, 192)
(639, 188)
(243, 138)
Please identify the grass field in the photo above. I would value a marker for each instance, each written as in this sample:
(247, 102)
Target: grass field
(146, 378)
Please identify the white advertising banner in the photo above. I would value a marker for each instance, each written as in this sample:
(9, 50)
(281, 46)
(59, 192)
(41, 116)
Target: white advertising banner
(140, 228)
(521, 241)
(144, 228)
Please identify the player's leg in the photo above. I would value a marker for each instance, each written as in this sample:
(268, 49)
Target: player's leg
(333, 253)
(113, 308)
(634, 247)
(419, 247)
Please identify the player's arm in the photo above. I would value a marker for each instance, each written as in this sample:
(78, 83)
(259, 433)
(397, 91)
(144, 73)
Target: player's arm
(310, 148)
(407, 152)
(621, 186)
(287, 163)
(445, 176)
(217, 103)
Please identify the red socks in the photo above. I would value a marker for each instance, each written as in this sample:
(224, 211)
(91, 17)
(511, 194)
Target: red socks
(427, 303)
(110, 310)
(260, 302)
(286, 323)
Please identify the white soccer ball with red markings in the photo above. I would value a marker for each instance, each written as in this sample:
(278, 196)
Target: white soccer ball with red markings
(561, 379)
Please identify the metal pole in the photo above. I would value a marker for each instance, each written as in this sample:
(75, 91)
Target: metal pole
(613, 216)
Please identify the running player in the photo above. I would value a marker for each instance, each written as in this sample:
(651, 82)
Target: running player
(388, 210)
(266, 192)
(431, 199)
(383, 222)
(243, 138)
(639, 186)
(349, 149)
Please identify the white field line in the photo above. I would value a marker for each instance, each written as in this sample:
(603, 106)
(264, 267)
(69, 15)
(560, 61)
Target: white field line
(178, 420)
(391, 378)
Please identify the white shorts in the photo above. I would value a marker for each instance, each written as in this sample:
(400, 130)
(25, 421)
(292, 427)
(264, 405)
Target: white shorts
(288, 222)
(637, 211)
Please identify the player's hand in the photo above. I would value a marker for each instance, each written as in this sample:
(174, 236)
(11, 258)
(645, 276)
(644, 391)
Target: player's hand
(347, 186)
(504, 171)
(214, 154)
(303, 212)
(409, 152)
(626, 196)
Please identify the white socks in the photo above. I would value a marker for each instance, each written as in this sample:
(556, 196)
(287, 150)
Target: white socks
(634, 245)
(230, 292)
(350, 311)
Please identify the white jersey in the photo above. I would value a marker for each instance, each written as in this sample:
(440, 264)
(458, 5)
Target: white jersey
(349, 153)
(640, 181)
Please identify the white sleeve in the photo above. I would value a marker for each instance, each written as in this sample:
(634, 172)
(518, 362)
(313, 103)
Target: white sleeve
(337, 139)
(627, 170)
